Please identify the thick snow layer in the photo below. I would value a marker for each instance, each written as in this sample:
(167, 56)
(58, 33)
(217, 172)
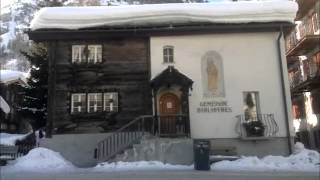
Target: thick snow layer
(4, 105)
(164, 14)
(40, 160)
(10, 139)
(45, 160)
(7, 76)
(139, 165)
(305, 160)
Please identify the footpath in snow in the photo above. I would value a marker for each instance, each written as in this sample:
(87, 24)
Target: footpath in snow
(42, 160)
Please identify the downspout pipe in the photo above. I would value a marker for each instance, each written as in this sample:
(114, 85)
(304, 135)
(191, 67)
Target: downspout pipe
(284, 95)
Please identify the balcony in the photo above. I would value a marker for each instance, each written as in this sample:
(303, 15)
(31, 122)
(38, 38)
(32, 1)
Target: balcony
(307, 78)
(261, 127)
(309, 37)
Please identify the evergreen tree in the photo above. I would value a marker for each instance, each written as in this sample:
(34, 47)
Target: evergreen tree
(34, 106)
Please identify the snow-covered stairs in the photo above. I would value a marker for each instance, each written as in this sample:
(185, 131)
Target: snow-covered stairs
(166, 150)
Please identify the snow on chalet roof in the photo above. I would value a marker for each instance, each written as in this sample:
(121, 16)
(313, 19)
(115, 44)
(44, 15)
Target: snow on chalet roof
(164, 14)
(9, 76)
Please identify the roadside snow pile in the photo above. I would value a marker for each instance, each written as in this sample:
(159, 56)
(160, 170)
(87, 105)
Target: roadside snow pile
(41, 160)
(164, 14)
(139, 165)
(302, 160)
(10, 139)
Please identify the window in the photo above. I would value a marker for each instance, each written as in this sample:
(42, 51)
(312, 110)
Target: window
(78, 54)
(78, 103)
(168, 54)
(95, 53)
(251, 105)
(94, 102)
(315, 22)
(86, 53)
(111, 102)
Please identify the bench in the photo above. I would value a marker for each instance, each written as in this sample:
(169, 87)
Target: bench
(7, 153)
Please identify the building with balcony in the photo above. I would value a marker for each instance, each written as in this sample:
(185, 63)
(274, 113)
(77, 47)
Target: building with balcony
(303, 60)
(177, 72)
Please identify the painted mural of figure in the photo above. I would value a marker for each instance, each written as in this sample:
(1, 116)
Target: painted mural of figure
(212, 74)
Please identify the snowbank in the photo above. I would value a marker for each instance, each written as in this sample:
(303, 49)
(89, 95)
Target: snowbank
(8, 76)
(40, 160)
(305, 160)
(164, 14)
(139, 165)
(10, 139)
(4, 105)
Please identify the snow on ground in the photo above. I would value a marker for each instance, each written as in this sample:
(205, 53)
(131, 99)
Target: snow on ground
(139, 165)
(45, 160)
(10, 139)
(40, 160)
(302, 160)
(7, 76)
(165, 14)
(4, 106)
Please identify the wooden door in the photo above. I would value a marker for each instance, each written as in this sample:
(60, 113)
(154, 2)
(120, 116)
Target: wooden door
(169, 108)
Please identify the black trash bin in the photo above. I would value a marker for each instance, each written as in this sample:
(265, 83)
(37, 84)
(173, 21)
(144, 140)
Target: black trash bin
(201, 149)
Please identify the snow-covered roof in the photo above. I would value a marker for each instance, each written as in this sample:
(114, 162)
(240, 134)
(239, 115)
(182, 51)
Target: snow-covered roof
(9, 76)
(159, 14)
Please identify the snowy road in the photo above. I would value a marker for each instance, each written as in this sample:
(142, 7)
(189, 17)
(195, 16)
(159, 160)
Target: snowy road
(168, 175)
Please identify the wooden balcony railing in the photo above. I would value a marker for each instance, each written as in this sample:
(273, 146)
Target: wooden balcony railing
(309, 35)
(311, 71)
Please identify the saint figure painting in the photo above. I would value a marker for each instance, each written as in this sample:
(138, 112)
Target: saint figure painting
(212, 75)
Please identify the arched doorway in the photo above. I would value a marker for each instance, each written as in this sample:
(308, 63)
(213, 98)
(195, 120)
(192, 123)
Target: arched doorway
(170, 90)
(169, 107)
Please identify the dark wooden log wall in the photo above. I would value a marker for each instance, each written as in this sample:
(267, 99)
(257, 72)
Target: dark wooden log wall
(125, 69)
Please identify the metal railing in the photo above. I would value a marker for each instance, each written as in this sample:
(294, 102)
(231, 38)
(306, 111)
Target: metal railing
(131, 133)
(173, 125)
(266, 121)
(124, 137)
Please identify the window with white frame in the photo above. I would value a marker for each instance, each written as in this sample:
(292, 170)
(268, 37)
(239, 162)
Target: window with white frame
(78, 54)
(168, 52)
(94, 102)
(94, 53)
(78, 103)
(111, 102)
(87, 53)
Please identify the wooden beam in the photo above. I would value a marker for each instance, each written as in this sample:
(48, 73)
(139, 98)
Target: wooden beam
(51, 49)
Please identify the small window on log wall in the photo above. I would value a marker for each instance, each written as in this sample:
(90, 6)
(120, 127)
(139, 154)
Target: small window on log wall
(111, 102)
(95, 53)
(78, 54)
(78, 104)
(168, 54)
(87, 53)
(94, 102)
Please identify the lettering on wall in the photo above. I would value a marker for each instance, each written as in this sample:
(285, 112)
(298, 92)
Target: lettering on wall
(212, 75)
(214, 107)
